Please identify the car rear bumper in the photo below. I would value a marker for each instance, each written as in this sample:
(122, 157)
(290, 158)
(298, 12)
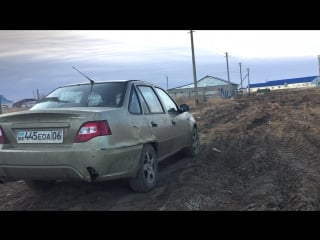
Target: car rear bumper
(64, 164)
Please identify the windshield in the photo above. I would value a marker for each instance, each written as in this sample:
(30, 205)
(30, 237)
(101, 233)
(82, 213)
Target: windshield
(102, 95)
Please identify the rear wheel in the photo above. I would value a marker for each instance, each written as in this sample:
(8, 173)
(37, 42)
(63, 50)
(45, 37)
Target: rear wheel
(146, 177)
(40, 186)
(194, 149)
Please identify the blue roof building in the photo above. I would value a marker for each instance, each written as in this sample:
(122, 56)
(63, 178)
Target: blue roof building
(302, 82)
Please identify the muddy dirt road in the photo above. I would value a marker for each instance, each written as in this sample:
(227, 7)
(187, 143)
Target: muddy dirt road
(257, 153)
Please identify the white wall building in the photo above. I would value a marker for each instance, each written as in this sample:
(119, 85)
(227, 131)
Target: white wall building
(303, 82)
(208, 87)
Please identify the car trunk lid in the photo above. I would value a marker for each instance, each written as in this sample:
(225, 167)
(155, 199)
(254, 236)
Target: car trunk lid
(44, 127)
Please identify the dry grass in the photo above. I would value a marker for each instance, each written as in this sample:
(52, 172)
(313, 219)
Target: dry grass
(189, 102)
(10, 110)
(216, 102)
(210, 103)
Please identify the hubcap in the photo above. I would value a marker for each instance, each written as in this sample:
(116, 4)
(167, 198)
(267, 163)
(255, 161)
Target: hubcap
(149, 167)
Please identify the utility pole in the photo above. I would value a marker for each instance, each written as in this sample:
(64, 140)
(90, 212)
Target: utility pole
(228, 67)
(248, 81)
(167, 83)
(319, 63)
(194, 71)
(228, 74)
(240, 75)
(0, 104)
(38, 95)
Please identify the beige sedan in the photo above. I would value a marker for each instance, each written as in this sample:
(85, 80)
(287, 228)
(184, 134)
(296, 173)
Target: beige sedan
(95, 132)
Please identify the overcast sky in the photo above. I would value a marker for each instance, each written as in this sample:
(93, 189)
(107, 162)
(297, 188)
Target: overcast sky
(43, 60)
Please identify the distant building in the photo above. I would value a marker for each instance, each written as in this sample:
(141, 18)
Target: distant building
(208, 87)
(5, 102)
(25, 103)
(303, 82)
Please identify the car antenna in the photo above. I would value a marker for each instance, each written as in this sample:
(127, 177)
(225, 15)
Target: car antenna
(91, 81)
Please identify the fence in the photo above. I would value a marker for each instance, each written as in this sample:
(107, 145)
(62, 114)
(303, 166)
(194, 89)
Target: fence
(204, 93)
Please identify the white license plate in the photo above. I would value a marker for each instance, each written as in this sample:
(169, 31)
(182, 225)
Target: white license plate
(41, 136)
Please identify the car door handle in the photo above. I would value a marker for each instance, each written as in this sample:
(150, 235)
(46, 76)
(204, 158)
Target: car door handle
(153, 124)
(173, 122)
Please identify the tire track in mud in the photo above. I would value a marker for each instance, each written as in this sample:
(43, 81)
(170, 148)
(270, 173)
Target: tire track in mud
(65, 196)
(296, 148)
(302, 161)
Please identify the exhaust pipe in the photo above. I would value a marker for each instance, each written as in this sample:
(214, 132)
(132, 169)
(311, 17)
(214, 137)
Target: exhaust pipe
(93, 173)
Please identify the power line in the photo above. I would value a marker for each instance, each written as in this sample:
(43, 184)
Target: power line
(223, 72)
(219, 52)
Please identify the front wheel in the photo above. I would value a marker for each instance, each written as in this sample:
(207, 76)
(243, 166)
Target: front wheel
(146, 177)
(194, 149)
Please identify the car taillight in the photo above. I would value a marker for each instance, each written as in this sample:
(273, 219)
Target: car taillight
(90, 130)
(2, 139)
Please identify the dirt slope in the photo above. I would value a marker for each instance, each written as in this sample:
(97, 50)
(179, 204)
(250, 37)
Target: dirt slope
(258, 153)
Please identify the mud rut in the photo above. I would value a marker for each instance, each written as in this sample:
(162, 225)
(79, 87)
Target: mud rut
(258, 153)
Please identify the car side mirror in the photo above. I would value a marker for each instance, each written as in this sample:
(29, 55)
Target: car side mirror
(184, 108)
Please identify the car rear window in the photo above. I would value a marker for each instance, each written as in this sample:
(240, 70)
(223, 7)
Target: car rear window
(109, 94)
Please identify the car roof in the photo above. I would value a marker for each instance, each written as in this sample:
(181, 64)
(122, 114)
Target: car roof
(108, 81)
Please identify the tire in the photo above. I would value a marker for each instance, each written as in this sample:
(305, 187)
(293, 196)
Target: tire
(40, 186)
(194, 149)
(147, 173)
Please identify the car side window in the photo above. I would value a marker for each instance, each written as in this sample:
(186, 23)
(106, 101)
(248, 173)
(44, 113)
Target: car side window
(169, 104)
(151, 99)
(143, 104)
(134, 105)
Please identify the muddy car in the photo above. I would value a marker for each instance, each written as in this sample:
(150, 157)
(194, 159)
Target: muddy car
(95, 132)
